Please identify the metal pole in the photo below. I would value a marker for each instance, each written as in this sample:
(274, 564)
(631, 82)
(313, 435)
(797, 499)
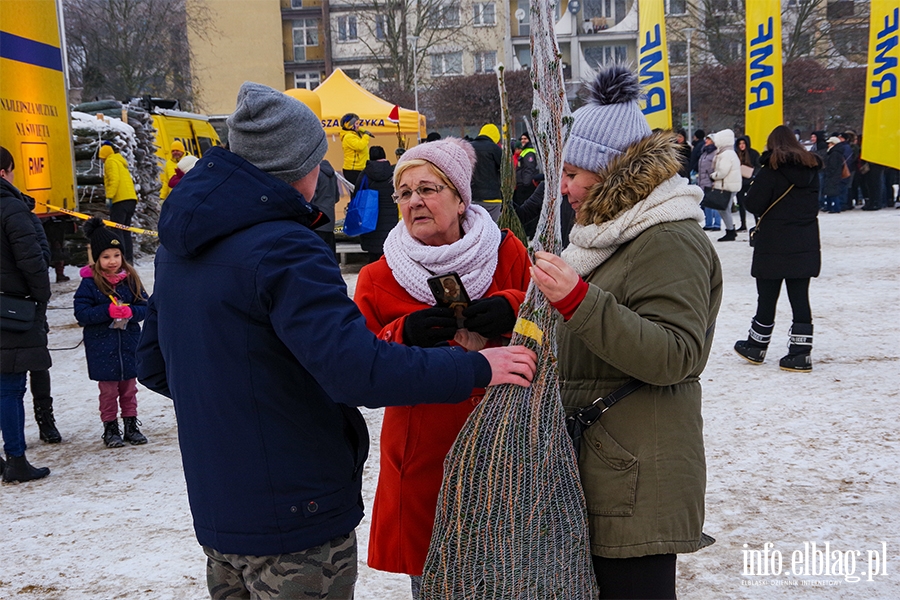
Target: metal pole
(415, 39)
(689, 31)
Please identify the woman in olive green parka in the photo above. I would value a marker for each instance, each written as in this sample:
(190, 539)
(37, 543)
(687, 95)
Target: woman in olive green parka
(639, 288)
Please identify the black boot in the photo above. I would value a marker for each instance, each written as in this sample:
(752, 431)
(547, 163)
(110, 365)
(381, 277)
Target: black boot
(111, 436)
(757, 342)
(133, 435)
(799, 348)
(730, 236)
(19, 470)
(60, 268)
(47, 425)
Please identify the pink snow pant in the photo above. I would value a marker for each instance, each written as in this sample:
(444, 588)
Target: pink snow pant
(123, 391)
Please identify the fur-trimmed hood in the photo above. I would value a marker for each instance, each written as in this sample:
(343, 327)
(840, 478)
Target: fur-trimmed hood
(631, 177)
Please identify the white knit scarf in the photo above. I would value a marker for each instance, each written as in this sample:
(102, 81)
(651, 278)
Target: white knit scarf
(673, 200)
(473, 257)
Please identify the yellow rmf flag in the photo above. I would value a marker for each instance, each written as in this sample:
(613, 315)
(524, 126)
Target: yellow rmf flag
(881, 123)
(764, 85)
(654, 66)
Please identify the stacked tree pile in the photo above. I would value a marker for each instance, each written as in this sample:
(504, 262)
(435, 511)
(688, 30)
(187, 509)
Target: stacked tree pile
(95, 123)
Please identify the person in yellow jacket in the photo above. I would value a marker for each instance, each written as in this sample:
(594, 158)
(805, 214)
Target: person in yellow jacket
(176, 152)
(355, 142)
(120, 193)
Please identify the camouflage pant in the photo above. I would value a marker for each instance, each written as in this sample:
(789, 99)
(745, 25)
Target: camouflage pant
(326, 571)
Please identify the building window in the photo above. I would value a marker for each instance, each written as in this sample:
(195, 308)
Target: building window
(381, 27)
(485, 14)
(677, 7)
(734, 49)
(308, 80)
(448, 63)
(678, 53)
(347, 29)
(599, 56)
(485, 62)
(444, 16)
(386, 73)
(525, 23)
(351, 73)
(306, 33)
(720, 7)
(296, 3)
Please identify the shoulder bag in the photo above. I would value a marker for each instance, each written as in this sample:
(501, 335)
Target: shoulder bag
(715, 199)
(16, 313)
(362, 212)
(755, 230)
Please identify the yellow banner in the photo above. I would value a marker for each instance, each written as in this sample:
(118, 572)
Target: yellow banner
(107, 223)
(881, 123)
(654, 66)
(764, 84)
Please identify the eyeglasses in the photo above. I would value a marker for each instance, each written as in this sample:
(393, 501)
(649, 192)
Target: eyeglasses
(425, 191)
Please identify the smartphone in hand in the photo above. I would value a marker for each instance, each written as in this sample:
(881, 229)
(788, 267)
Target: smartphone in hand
(449, 292)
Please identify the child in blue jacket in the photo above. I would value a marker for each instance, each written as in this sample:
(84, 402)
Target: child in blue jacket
(109, 304)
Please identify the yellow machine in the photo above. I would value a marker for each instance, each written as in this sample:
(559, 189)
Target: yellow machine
(34, 110)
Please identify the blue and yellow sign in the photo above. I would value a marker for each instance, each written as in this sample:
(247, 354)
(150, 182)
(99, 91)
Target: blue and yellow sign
(763, 106)
(654, 68)
(881, 123)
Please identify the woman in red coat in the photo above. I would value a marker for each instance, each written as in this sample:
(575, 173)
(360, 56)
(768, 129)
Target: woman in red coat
(441, 232)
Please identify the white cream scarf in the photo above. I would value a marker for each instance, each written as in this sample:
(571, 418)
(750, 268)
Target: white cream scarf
(473, 257)
(673, 200)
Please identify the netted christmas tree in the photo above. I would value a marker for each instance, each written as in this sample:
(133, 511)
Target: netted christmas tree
(511, 519)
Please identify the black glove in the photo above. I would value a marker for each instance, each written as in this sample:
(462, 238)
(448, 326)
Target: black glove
(490, 317)
(429, 327)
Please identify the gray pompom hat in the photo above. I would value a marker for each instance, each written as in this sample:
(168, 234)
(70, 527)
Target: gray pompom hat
(277, 133)
(609, 123)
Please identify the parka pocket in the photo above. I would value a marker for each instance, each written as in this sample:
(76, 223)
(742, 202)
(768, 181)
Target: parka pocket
(608, 473)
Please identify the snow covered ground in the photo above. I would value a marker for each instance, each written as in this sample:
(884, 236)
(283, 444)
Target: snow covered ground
(793, 458)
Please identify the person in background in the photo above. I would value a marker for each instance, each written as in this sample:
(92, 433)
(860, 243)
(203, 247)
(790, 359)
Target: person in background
(355, 143)
(851, 156)
(685, 149)
(109, 304)
(432, 137)
(833, 182)
(23, 274)
(749, 163)
(380, 174)
(176, 153)
(120, 194)
(698, 142)
(442, 231)
(638, 290)
(530, 211)
(38, 379)
(486, 178)
(705, 168)
(184, 165)
(786, 246)
(325, 199)
(726, 175)
(526, 170)
(272, 443)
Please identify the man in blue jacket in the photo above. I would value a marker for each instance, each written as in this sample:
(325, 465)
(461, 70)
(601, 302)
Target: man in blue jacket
(251, 333)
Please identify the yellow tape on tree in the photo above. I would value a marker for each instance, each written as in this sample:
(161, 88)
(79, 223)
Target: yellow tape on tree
(529, 329)
(105, 222)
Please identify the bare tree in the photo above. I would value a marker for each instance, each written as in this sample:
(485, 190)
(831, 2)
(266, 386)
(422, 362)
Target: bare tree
(128, 48)
(481, 98)
(389, 30)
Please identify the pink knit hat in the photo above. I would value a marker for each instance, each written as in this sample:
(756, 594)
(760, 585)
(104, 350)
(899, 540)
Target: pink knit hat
(454, 156)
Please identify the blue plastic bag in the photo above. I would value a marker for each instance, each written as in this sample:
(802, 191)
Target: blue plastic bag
(362, 213)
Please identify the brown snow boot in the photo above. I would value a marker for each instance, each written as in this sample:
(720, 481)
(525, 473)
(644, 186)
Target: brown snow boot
(60, 268)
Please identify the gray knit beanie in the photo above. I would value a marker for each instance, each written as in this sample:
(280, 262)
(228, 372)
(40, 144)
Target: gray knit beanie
(275, 132)
(610, 121)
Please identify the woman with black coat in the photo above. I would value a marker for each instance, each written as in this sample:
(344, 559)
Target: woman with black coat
(784, 198)
(380, 174)
(23, 274)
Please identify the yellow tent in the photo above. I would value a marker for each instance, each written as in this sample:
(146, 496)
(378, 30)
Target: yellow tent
(340, 95)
